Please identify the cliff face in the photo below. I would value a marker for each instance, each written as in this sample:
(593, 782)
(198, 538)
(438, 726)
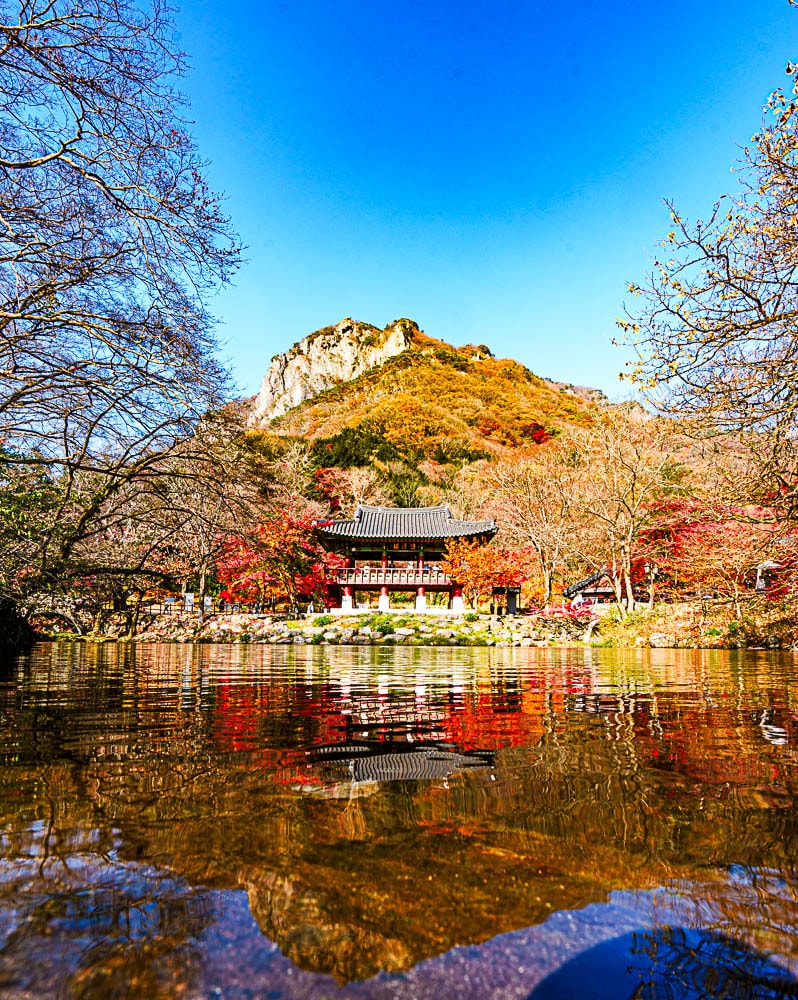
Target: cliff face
(324, 359)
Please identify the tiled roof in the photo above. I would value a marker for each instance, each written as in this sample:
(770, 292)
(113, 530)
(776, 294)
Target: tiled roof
(580, 585)
(406, 522)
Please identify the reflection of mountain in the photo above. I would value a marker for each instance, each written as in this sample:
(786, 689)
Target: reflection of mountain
(624, 780)
(145, 925)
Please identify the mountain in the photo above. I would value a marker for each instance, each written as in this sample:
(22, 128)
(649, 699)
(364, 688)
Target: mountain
(358, 393)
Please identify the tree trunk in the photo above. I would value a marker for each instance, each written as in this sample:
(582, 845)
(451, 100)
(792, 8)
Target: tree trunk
(134, 616)
(548, 583)
(16, 635)
(737, 610)
(630, 594)
(203, 581)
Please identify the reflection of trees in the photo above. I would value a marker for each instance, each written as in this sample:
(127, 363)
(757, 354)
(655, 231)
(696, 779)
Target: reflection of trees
(666, 962)
(599, 784)
(94, 927)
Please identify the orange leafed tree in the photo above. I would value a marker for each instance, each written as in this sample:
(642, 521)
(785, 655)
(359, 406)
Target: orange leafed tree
(479, 568)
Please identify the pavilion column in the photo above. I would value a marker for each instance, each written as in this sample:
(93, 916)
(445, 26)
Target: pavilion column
(384, 603)
(421, 597)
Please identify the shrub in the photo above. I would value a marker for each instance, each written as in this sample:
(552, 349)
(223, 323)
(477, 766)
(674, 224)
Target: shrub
(383, 624)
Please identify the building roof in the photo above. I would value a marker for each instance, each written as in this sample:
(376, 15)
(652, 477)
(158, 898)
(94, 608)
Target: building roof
(580, 585)
(405, 523)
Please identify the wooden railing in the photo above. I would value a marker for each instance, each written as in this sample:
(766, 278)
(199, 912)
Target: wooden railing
(376, 576)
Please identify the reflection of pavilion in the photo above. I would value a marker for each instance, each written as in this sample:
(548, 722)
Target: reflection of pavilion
(398, 549)
(394, 761)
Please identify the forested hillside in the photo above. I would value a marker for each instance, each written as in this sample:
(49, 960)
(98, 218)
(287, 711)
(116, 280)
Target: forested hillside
(424, 415)
(440, 402)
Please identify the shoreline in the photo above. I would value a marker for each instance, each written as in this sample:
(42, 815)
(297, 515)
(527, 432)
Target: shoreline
(464, 630)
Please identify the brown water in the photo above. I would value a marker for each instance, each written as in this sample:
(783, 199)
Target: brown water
(234, 821)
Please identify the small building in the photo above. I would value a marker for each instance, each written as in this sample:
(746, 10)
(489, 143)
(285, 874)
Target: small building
(593, 589)
(395, 549)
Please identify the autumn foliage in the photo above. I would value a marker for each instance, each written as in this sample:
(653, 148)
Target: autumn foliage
(279, 561)
(479, 568)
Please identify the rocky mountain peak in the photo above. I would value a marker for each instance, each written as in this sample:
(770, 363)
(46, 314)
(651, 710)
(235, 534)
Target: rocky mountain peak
(325, 358)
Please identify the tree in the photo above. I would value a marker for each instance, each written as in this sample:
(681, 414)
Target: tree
(110, 245)
(717, 328)
(533, 500)
(345, 489)
(626, 459)
(281, 559)
(719, 548)
(161, 530)
(479, 568)
(168, 528)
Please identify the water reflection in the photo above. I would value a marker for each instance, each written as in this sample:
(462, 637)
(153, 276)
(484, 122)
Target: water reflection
(238, 818)
(668, 962)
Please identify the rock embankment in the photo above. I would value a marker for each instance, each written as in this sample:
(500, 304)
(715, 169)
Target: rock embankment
(364, 630)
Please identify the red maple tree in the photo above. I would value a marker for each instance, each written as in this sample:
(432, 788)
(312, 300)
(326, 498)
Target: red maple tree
(280, 560)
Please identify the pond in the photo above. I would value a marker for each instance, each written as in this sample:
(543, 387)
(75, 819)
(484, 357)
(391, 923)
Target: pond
(309, 822)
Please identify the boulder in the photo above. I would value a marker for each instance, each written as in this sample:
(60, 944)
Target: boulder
(661, 640)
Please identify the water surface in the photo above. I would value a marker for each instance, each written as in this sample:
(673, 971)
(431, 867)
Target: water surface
(258, 821)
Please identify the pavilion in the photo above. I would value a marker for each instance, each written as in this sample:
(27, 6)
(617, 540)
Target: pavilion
(397, 549)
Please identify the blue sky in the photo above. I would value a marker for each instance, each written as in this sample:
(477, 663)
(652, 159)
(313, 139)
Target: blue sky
(494, 171)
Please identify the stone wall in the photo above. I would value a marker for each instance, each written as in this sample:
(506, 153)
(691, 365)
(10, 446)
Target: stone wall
(360, 630)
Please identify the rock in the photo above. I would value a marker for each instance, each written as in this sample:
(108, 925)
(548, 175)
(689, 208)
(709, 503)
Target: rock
(404, 631)
(324, 359)
(661, 640)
